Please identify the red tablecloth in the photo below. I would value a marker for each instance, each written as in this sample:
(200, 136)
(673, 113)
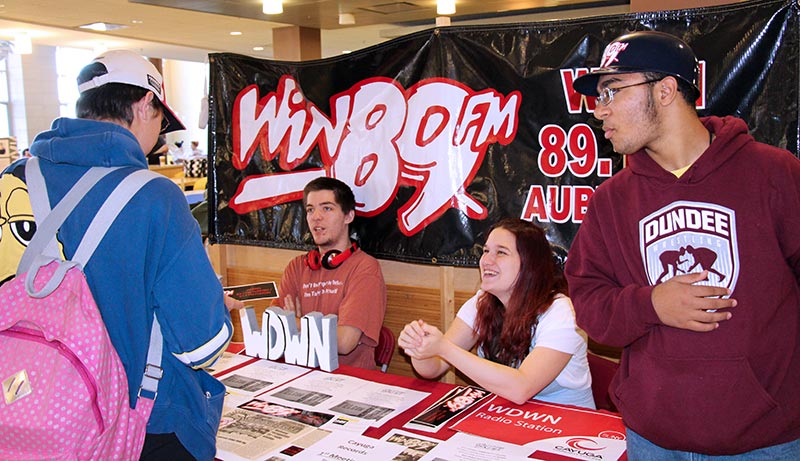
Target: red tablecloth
(437, 390)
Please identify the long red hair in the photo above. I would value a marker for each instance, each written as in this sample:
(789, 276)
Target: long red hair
(505, 332)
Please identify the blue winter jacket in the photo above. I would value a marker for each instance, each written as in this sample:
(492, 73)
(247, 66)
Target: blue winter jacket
(151, 260)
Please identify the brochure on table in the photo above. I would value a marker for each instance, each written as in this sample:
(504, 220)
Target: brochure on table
(251, 435)
(444, 411)
(343, 446)
(415, 446)
(260, 429)
(227, 361)
(548, 430)
(260, 376)
(346, 395)
(466, 447)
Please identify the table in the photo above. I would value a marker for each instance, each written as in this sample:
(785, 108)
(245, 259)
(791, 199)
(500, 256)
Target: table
(595, 423)
(176, 174)
(170, 171)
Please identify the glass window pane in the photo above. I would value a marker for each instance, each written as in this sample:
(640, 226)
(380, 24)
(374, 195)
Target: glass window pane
(5, 129)
(69, 62)
(3, 85)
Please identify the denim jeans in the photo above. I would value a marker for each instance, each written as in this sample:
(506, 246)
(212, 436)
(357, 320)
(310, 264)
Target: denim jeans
(641, 449)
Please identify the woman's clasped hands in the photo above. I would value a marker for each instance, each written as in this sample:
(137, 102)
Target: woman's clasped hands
(420, 340)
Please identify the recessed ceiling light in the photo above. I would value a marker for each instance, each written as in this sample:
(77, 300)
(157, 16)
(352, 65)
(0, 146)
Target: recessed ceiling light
(258, 48)
(445, 7)
(236, 33)
(272, 6)
(103, 26)
(137, 21)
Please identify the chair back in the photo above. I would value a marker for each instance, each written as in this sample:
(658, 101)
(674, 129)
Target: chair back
(603, 371)
(385, 348)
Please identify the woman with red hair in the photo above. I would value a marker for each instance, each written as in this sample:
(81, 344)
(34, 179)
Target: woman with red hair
(522, 321)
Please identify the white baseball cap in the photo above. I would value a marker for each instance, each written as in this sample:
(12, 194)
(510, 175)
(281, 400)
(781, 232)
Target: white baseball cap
(123, 66)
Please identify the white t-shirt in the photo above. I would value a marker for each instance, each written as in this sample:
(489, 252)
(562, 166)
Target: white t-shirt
(556, 330)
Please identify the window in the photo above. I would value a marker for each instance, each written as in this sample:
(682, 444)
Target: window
(5, 126)
(69, 62)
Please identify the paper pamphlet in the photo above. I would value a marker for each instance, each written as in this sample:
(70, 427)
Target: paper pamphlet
(456, 402)
(253, 291)
(227, 361)
(259, 376)
(415, 446)
(344, 446)
(347, 396)
(251, 435)
(465, 447)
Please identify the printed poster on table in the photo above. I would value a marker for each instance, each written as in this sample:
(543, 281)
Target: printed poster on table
(548, 429)
(255, 429)
(260, 376)
(345, 395)
(442, 412)
(415, 447)
(466, 447)
(227, 361)
(443, 132)
(342, 446)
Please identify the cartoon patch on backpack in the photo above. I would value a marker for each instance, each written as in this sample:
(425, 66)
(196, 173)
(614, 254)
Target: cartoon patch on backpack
(17, 225)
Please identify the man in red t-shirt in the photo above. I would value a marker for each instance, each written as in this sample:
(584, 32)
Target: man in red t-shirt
(337, 277)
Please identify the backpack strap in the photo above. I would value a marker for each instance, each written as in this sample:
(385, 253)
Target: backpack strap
(36, 255)
(152, 369)
(48, 222)
(40, 250)
(107, 213)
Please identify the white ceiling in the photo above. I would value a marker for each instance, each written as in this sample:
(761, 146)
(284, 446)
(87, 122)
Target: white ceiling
(175, 32)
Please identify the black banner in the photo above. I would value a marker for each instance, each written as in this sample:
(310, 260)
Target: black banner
(443, 132)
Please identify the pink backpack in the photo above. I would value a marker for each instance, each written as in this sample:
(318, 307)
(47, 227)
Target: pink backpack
(65, 392)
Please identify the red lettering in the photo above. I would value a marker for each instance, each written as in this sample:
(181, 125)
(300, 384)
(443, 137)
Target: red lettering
(558, 204)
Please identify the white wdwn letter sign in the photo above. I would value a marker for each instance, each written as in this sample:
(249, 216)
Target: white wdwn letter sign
(315, 345)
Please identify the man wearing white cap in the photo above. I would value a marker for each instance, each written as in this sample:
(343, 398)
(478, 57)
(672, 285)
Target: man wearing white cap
(689, 259)
(152, 259)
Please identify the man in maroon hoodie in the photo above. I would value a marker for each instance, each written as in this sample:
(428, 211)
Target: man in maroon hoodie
(689, 259)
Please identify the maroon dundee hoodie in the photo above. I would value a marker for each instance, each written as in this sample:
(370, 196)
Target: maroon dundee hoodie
(735, 213)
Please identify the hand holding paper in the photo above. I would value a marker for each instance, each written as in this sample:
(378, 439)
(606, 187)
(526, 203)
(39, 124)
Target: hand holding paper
(230, 302)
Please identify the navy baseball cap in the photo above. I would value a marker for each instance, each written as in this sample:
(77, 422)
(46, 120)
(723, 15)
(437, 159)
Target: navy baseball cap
(645, 51)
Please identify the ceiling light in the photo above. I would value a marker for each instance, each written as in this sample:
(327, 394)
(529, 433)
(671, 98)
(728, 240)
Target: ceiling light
(258, 48)
(235, 32)
(442, 21)
(22, 44)
(102, 26)
(272, 7)
(346, 19)
(445, 7)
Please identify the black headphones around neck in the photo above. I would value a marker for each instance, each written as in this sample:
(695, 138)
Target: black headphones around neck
(331, 259)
